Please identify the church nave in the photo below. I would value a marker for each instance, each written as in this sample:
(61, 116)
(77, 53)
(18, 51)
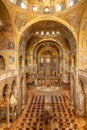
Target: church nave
(48, 110)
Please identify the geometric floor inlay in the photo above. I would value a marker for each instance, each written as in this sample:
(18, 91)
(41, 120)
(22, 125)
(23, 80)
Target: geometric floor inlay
(48, 111)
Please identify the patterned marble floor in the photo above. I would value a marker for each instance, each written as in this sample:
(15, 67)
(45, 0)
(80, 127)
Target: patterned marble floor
(48, 110)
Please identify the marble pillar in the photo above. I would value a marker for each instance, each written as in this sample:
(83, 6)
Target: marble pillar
(19, 93)
(79, 98)
(75, 89)
(71, 91)
(24, 91)
(8, 111)
(81, 103)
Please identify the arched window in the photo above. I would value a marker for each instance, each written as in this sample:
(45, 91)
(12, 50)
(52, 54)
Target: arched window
(2, 63)
(23, 5)
(13, 87)
(71, 2)
(5, 91)
(58, 7)
(21, 61)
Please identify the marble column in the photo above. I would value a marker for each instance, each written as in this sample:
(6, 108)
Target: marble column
(24, 91)
(79, 98)
(76, 91)
(75, 88)
(71, 91)
(19, 93)
(8, 112)
(72, 82)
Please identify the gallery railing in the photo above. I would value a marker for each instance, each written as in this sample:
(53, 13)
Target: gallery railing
(6, 74)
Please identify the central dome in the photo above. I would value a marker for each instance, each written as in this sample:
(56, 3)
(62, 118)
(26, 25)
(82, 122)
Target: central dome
(45, 6)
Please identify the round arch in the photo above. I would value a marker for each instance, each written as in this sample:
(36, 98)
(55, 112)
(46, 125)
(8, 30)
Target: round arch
(45, 18)
(6, 10)
(13, 90)
(5, 91)
(2, 63)
(21, 61)
(56, 43)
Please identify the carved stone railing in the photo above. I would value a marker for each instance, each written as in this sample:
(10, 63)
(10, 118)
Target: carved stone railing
(6, 74)
(80, 72)
(83, 73)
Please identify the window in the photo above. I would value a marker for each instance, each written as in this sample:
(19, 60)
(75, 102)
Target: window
(58, 7)
(12, 1)
(46, 9)
(23, 5)
(71, 2)
(35, 8)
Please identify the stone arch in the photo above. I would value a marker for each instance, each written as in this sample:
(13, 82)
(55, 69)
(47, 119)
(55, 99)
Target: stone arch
(73, 61)
(13, 90)
(6, 10)
(2, 63)
(5, 91)
(21, 61)
(56, 44)
(51, 18)
(22, 40)
(7, 26)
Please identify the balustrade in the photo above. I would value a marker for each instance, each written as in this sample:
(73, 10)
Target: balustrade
(6, 74)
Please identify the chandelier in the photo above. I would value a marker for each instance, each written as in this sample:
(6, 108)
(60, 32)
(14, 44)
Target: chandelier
(47, 33)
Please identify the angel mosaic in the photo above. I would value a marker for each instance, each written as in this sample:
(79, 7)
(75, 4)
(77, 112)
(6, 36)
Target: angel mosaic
(72, 19)
(20, 20)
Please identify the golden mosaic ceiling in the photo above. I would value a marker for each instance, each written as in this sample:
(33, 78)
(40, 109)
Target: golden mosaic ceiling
(47, 6)
(49, 26)
(46, 2)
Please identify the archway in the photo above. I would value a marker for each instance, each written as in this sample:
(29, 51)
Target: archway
(5, 92)
(41, 30)
(37, 37)
(21, 62)
(73, 61)
(2, 63)
(14, 91)
(47, 57)
(42, 19)
(6, 27)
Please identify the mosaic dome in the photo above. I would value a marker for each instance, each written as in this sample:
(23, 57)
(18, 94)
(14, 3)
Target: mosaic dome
(44, 6)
